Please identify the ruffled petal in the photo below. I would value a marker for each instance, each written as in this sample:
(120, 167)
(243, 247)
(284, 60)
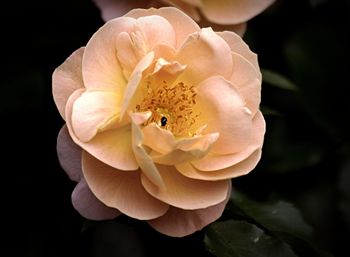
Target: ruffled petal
(86, 203)
(225, 113)
(121, 190)
(69, 155)
(93, 111)
(186, 193)
(181, 23)
(247, 81)
(101, 68)
(213, 162)
(144, 160)
(112, 147)
(178, 222)
(239, 169)
(237, 45)
(66, 79)
(205, 54)
(233, 11)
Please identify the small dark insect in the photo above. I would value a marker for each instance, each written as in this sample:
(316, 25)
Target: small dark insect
(163, 121)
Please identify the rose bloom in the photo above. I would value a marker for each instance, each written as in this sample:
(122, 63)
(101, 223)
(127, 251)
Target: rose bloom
(218, 14)
(160, 115)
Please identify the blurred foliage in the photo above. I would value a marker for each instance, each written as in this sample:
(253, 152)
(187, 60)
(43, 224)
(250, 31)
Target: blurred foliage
(300, 44)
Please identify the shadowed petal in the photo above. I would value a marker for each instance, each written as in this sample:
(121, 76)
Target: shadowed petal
(69, 155)
(86, 203)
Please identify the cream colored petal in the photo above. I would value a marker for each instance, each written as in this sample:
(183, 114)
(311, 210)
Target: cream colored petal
(93, 111)
(86, 203)
(233, 11)
(69, 155)
(205, 54)
(188, 149)
(181, 23)
(186, 193)
(143, 159)
(236, 170)
(237, 45)
(160, 140)
(134, 81)
(178, 222)
(213, 162)
(101, 68)
(247, 81)
(66, 79)
(154, 30)
(127, 56)
(225, 113)
(112, 147)
(121, 190)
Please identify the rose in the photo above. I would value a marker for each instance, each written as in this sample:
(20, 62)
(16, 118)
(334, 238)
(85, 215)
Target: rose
(160, 115)
(219, 14)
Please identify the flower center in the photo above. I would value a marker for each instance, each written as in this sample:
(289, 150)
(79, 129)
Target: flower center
(171, 107)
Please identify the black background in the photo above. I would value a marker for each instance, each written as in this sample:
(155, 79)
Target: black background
(306, 152)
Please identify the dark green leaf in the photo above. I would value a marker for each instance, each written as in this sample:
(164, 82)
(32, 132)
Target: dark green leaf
(277, 217)
(275, 79)
(240, 239)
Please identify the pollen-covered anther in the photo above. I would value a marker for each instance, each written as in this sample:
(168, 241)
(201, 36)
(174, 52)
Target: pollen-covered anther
(171, 107)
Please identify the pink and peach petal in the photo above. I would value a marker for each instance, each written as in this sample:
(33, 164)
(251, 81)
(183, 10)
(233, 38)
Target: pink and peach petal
(237, 45)
(101, 67)
(181, 23)
(86, 203)
(66, 79)
(213, 162)
(239, 169)
(121, 190)
(112, 146)
(69, 155)
(247, 81)
(178, 222)
(155, 30)
(206, 55)
(93, 111)
(158, 139)
(233, 11)
(143, 159)
(126, 53)
(186, 193)
(225, 113)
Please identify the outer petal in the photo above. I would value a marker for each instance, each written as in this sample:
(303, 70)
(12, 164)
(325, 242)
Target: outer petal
(233, 11)
(121, 190)
(206, 55)
(213, 162)
(101, 68)
(86, 203)
(225, 112)
(247, 81)
(66, 79)
(186, 193)
(178, 222)
(181, 23)
(237, 45)
(69, 155)
(93, 111)
(112, 147)
(239, 169)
